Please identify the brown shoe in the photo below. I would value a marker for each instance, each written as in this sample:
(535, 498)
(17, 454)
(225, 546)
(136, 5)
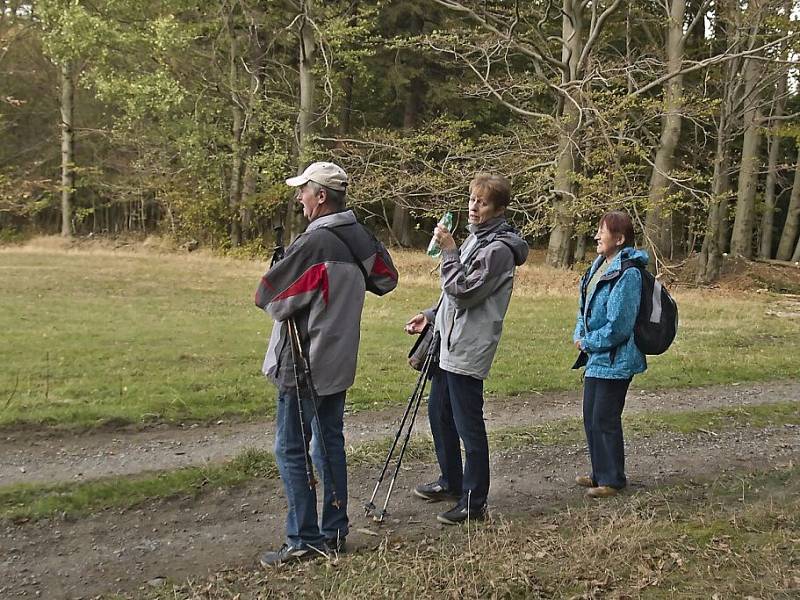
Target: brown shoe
(584, 481)
(601, 491)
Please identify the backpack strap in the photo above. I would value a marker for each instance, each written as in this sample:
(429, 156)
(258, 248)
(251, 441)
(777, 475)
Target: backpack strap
(356, 260)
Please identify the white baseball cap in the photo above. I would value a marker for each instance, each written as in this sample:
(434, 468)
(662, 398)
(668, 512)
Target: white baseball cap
(323, 173)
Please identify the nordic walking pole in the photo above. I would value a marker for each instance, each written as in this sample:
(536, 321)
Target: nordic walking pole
(312, 392)
(277, 255)
(370, 506)
(379, 516)
(312, 482)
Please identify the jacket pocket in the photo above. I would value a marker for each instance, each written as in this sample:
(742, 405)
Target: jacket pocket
(600, 359)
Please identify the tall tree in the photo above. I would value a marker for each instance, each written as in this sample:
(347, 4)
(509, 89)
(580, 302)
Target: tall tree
(659, 217)
(742, 232)
(792, 224)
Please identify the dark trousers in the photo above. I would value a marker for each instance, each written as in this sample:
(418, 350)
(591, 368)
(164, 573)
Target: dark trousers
(455, 411)
(603, 401)
(302, 527)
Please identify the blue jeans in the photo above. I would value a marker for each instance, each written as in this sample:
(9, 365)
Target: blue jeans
(603, 401)
(302, 527)
(455, 411)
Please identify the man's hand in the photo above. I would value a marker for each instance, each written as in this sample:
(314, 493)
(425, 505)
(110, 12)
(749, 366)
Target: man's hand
(444, 238)
(578, 345)
(416, 324)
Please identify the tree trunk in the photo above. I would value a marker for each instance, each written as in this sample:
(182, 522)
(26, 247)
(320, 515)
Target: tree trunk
(237, 162)
(305, 116)
(790, 228)
(658, 224)
(742, 234)
(308, 49)
(710, 262)
(558, 246)
(345, 113)
(402, 223)
(249, 188)
(580, 249)
(67, 149)
(768, 216)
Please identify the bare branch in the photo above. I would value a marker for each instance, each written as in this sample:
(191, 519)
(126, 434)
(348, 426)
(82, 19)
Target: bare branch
(533, 53)
(701, 13)
(708, 62)
(594, 34)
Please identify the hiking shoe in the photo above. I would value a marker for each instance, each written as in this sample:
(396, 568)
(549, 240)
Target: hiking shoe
(289, 554)
(459, 514)
(602, 491)
(336, 545)
(434, 492)
(584, 481)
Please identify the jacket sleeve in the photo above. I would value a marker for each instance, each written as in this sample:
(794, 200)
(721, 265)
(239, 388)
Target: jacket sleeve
(289, 286)
(621, 310)
(579, 331)
(488, 272)
(383, 276)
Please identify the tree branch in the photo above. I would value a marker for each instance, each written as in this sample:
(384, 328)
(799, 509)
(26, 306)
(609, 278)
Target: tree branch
(708, 62)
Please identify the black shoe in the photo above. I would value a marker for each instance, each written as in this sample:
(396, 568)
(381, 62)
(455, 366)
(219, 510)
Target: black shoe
(459, 514)
(289, 554)
(434, 492)
(336, 545)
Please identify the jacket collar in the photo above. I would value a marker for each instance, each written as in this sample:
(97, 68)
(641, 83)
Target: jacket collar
(342, 217)
(487, 228)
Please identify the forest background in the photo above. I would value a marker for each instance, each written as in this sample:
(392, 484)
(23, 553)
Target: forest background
(183, 118)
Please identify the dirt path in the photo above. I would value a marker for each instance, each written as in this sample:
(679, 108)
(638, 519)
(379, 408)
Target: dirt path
(122, 551)
(30, 457)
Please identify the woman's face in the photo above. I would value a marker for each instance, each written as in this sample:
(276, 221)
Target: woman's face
(481, 209)
(608, 244)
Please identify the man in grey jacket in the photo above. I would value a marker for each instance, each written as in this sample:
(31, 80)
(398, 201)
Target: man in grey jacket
(476, 289)
(320, 285)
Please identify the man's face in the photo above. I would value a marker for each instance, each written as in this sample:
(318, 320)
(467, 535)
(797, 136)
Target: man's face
(309, 200)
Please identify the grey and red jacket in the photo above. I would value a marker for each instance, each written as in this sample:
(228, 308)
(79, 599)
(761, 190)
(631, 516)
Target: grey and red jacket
(319, 285)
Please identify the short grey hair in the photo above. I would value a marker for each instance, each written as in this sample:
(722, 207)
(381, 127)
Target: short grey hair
(334, 197)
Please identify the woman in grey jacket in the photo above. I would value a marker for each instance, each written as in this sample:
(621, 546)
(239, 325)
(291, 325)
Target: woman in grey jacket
(476, 288)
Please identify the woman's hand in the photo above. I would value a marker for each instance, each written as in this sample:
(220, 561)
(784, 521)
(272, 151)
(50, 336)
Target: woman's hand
(416, 324)
(578, 345)
(444, 238)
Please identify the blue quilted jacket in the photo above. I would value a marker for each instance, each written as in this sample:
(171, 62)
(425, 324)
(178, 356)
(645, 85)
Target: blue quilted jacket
(606, 319)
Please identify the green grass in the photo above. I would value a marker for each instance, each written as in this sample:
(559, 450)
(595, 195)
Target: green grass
(31, 501)
(92, 338)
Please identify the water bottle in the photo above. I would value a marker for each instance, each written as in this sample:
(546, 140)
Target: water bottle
(446, 221)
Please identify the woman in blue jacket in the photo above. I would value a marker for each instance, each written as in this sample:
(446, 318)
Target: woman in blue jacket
(609, 302)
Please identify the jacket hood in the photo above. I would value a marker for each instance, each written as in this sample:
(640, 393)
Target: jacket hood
(640, 257)
(499, 229)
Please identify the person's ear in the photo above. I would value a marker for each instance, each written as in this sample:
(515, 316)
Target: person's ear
(323, 196)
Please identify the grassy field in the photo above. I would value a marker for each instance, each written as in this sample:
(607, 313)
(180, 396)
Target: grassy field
(97, 337)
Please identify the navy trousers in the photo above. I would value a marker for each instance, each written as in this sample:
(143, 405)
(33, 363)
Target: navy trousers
(455, 411)
(603, 401)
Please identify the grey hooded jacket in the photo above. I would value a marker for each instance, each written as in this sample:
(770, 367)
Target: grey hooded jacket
(476, 288)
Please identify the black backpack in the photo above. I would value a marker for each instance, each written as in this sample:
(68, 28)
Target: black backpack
(657, 321)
